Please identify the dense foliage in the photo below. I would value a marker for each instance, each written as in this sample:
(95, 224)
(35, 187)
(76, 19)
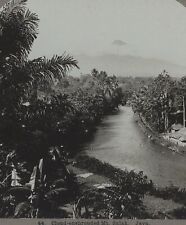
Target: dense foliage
(44, 117)
(124, 198)
(129, 85)
(40, 122)
(161, 103)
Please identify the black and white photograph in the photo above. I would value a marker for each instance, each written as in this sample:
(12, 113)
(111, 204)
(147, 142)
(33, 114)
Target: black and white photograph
(93, 109)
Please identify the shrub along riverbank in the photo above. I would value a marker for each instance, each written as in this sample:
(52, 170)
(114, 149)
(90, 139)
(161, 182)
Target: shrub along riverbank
(131, 181)
(126, 194)
(136, 185)
(161, 104)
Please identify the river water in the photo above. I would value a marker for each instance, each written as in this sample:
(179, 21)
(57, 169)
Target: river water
(120, 142)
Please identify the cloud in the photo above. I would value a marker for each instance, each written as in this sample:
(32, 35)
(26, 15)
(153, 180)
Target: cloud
(119, 42)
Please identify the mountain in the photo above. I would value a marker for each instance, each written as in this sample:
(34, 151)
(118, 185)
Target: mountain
(127, 65)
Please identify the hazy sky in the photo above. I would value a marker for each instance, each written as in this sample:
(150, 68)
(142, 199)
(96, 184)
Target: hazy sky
(147, 28)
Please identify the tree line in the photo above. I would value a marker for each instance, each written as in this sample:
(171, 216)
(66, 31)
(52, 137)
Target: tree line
(162, 102)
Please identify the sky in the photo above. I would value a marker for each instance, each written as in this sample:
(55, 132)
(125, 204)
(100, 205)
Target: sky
(154, 29)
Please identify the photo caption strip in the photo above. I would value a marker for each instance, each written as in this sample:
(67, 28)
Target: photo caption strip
(88, 222)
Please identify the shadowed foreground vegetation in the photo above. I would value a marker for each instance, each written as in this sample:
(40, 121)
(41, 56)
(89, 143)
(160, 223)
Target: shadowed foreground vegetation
(136, 185)
(41, 124)
(126, 194)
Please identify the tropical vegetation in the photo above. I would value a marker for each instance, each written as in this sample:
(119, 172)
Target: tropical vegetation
(41, 111)
(162, 102)
(45, 116)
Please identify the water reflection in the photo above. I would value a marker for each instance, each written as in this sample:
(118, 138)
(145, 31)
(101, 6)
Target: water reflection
(119, 141)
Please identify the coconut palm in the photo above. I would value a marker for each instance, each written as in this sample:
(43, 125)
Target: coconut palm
(19, 76)
(19, 29)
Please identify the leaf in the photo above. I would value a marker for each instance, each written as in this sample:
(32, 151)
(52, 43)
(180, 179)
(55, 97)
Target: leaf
(60, 183)
(12, 6)
(19, 191)
(23, 210)
(19, 29)
(58, 194)
(50, 70)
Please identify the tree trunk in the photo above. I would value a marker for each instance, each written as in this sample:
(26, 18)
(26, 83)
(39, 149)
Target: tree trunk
(183, 111)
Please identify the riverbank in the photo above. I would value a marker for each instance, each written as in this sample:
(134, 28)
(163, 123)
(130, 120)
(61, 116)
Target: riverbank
(159, 201)
(120, 142)
(156, 203)
(155, 137)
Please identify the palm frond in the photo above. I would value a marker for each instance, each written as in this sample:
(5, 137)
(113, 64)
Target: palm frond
(57, 194)
(12, 5)
(28, 31)
(19, 190)
(22, 210)
(51, 69)
(19, 29)
(60, 183)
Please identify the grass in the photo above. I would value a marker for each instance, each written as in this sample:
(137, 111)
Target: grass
(159, 202)
(129, 181)
(160, 208)
(89, 181)
(171, 192)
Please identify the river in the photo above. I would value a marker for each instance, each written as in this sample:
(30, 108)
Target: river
(120, 142)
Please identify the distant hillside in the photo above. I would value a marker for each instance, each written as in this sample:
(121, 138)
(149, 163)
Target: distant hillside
(127, 65)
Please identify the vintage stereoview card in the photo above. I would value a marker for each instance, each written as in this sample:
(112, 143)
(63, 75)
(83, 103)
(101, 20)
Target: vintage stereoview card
(92, 112)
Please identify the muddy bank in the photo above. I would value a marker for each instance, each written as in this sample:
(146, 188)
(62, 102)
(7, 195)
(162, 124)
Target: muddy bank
(157, 138)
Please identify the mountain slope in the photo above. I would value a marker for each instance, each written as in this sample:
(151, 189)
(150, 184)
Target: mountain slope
(127, 65)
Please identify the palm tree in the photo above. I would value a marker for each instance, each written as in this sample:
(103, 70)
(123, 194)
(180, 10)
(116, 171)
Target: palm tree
(19, 76)
(18, 30)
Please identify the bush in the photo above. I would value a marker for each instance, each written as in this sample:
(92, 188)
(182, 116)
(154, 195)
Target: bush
(171, 192)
